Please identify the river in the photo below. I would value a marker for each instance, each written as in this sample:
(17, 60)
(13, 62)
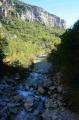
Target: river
(42, 98)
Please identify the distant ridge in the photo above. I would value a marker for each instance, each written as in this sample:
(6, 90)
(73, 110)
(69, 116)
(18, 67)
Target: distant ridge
(28, 12)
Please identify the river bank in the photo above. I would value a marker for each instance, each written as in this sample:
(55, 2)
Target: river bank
(38, 97)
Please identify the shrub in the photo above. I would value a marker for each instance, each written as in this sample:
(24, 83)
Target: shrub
(66, 57)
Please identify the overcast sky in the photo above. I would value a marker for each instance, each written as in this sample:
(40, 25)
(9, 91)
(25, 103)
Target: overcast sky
(66, 9)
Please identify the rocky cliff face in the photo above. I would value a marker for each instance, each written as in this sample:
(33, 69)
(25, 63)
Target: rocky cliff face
(31, 13)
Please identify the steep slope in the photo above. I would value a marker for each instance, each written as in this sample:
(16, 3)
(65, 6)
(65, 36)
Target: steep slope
(25, 40)
(22, 36)
(66, 60)
(31, 13)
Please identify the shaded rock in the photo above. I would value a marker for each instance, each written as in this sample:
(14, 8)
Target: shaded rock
(60, 89)
(47, 115)
(41, 90)
(48, 103)
(17, 76)
(27, 87)
(51, 88)
(47, 83)
(22, 115)
(59, 115)
(29, 103)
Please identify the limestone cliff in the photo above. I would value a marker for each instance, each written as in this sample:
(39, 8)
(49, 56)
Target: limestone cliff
(28, 12)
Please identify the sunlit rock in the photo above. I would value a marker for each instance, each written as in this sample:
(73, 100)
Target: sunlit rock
(31, 13)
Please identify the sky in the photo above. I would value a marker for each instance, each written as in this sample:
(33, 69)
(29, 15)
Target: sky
(65, 9)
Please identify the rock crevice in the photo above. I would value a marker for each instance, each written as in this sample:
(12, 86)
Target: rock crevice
(31, 13)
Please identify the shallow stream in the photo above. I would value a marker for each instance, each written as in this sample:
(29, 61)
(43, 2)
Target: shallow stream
(41, 97)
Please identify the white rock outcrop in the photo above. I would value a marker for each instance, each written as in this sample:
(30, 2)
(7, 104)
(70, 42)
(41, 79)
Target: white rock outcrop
(31, 13)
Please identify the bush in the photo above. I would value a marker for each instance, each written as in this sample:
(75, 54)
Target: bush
(26, 40)
(66, 57)
(3, 44)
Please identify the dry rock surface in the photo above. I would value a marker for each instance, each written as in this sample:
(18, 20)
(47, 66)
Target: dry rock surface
(31, 13)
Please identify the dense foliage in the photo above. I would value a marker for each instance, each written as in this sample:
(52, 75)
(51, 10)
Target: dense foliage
(26, 40)
(66, 60)
(66, 57)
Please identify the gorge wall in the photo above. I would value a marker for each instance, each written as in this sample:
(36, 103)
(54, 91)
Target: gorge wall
(25, 12)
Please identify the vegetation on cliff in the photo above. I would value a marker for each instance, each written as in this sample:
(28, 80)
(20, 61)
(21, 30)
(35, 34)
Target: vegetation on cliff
(26, 40)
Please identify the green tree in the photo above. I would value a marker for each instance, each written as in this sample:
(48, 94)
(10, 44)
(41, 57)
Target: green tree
(3, 43)
(66, 58)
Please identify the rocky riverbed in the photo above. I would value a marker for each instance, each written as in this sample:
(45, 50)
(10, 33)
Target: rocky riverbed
(37, 98)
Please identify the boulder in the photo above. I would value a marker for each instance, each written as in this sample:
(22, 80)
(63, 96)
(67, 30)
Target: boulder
(41, 90)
